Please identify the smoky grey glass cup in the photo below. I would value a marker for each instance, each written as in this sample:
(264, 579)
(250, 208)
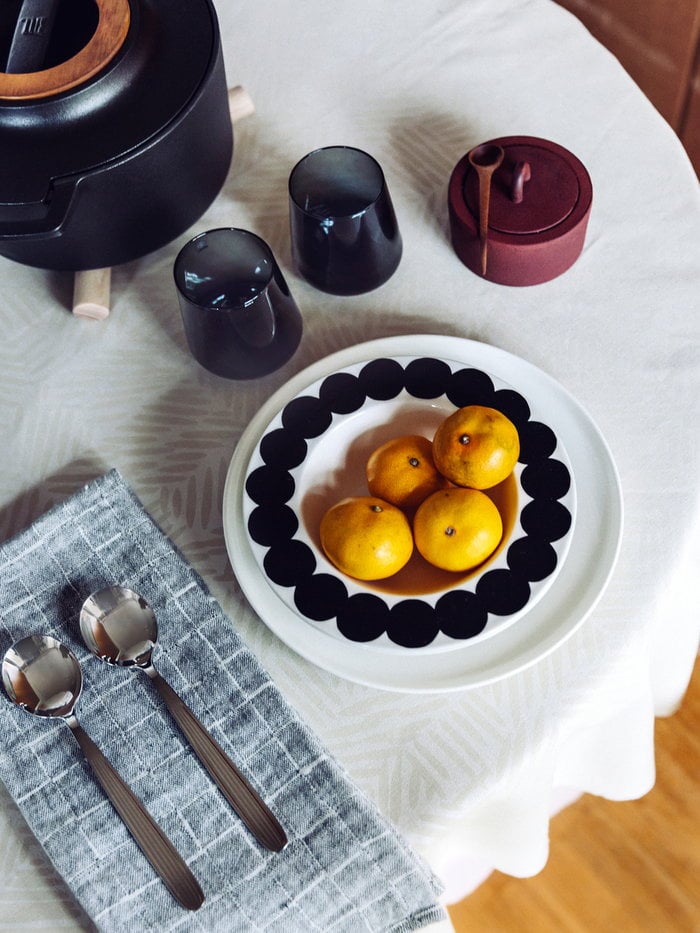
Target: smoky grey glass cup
(345, 237)
(239, 316)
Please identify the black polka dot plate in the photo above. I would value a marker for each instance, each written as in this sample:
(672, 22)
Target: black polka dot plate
(307, 446)
(313, 454)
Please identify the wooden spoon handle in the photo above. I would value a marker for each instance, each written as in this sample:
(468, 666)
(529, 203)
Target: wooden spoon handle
(484, 207)
(485, 159)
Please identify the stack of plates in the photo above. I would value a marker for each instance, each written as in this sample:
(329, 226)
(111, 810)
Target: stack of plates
(421, 631)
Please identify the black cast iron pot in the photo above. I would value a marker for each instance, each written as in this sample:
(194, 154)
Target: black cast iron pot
(115, 133)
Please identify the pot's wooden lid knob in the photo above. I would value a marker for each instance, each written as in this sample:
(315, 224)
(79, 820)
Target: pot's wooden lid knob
(50, 50)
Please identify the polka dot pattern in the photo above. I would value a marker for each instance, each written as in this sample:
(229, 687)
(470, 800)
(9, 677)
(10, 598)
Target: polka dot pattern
(411, 623)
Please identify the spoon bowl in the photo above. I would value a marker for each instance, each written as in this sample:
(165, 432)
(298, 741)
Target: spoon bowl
(43, 677)
(120, 627)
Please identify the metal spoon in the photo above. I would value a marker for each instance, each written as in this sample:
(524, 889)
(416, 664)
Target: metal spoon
(43, 677)
(120, 627)
(485, 160)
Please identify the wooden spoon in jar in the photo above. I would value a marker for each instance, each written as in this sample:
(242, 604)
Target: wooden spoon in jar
(485, 159)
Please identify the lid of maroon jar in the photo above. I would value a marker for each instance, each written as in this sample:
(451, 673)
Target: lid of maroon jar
(540, 200)
(546, 182)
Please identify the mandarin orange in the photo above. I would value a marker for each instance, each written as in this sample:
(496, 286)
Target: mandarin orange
(402, 471)
(366, 537)
(457, 528)
(476, 446)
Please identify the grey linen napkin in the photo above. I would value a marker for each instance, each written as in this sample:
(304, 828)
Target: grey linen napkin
(345, 868)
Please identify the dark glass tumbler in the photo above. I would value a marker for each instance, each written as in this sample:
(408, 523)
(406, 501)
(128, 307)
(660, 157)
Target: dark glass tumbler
(239, 317)
(345, 238)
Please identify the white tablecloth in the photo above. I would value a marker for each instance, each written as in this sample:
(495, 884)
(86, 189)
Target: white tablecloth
(469, 777)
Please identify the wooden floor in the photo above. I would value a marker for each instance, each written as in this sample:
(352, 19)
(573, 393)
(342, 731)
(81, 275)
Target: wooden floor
(614, 867)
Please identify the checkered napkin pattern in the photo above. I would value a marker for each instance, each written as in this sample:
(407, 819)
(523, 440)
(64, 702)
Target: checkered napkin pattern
(345, 869)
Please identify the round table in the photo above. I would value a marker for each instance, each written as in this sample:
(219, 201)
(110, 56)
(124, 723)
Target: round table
(469, 776)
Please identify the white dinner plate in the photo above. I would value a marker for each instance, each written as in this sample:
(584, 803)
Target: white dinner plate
(593, 544)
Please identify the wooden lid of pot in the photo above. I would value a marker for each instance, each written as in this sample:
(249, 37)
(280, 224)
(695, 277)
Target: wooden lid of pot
(30, 80)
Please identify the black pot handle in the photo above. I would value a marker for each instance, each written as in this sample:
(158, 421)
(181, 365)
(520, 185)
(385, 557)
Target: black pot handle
(31, 36)
(39, 219)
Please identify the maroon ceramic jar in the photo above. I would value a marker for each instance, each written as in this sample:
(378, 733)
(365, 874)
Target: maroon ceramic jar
(540, 202)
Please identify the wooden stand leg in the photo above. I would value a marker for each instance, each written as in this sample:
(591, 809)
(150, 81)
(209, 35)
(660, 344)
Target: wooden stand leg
(91, 289)
(240, 104)
(91, 293)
